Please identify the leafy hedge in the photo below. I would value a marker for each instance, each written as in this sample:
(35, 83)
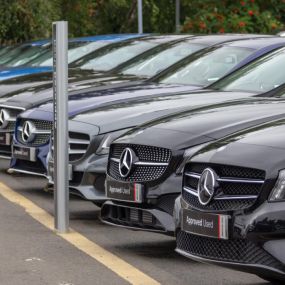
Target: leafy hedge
(22, 20)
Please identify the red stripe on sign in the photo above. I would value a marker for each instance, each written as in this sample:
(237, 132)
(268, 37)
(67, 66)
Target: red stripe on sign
(219, 227)
(135, 193)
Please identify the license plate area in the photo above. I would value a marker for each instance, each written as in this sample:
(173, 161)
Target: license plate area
(5, 138)
(24, 153)
(205, 224)
(124, 191)
(51, 171)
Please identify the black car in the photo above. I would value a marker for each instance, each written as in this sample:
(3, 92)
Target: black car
(110, 119)
(232, 212)
(221, 59)
(149, 160)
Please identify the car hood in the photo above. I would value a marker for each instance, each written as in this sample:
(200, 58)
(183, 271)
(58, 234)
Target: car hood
(188, 128)
(86, 100)
(261, 147)
(39, 94)
(121, 114)
(36, 82)
(33, 80)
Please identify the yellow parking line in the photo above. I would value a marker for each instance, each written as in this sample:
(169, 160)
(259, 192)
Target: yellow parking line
(111, 261)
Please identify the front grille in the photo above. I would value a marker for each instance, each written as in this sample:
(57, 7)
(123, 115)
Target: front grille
(236, 250)
(13, 113)
(166, 203)
(78, 145)
(238, 187)
(40, 138)
(153, 162)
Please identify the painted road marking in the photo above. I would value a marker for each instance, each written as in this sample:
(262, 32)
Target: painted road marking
(111, 261)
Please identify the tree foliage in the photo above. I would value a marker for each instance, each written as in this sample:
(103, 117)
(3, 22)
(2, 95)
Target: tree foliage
(22, 20)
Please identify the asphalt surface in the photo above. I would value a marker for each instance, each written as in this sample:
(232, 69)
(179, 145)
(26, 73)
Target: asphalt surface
(32, 254)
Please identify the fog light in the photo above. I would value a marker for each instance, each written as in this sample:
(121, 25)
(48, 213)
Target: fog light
(278, 192)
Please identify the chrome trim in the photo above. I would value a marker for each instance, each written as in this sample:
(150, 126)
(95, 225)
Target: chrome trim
(191, 191)
(235, 197)
(12, 107)
(193, 174)
(74, 151)
(5, 157)
(151, 163)
(146, 163)
(11, 170)
(42, 132)
(37, 132)
(78, 141)
(234, 180)
(222, 197)
(231, 180)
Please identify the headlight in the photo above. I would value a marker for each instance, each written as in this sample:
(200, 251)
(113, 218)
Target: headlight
(188, 153)
(278, 192)
(104, 146)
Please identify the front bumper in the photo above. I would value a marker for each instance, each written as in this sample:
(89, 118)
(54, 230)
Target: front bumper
(87, 177)
(5, 144)
(37, 166)
(256, 242)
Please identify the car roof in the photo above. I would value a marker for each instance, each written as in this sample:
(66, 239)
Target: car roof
(257, 42)
(220, 38)
(109, 37)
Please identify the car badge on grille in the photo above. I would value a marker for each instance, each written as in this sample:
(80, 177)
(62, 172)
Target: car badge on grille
(28, 131)
(4, 118)
(126, 162)
(206, 186)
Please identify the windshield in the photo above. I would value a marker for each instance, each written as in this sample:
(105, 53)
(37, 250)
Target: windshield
(75, 51)
(4, 50)
(116, 56)
(209, 67)
(27, 55)
(262, 75)
(150, 65)
(17, 52)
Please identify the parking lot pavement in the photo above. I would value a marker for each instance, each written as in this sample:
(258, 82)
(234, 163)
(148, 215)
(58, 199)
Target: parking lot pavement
(32, 254)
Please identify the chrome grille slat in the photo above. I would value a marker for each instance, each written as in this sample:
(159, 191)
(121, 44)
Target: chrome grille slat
(221, 197)
(228, 179)
(78, 145)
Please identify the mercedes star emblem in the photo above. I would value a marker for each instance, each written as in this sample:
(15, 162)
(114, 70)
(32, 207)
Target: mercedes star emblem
(28, 131)
(4, 118)
(206, 186)
(126, 162)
